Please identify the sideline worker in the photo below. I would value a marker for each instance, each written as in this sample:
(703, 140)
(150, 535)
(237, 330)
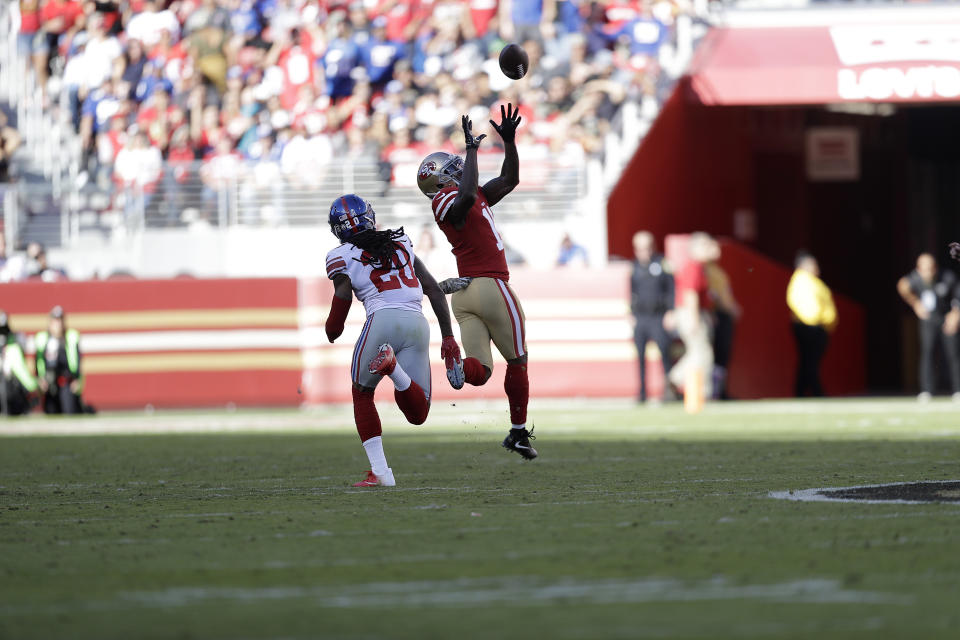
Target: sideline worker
(814, 315)
(58, 366)
(651, 296)
(934, 296)
(16, 383)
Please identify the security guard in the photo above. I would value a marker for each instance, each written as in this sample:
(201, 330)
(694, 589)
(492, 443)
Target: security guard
(58, 366)
(651, 296)
(16, 383)
(814, 317)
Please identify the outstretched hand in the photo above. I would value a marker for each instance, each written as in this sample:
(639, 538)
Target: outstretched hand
(472, 142)
(955, 251)
(509, 121)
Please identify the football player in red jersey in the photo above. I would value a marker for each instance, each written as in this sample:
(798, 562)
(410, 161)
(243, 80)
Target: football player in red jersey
(485, 306)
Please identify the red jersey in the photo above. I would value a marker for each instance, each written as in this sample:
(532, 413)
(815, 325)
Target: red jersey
(692, 277)
(477, 246)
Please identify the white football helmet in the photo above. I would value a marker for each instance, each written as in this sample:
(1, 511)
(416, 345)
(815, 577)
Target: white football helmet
(438, 171)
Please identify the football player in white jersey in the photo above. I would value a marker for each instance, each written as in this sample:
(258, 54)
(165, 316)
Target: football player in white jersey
(382, 270)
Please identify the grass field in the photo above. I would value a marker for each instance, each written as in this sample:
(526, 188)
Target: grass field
(633, 523)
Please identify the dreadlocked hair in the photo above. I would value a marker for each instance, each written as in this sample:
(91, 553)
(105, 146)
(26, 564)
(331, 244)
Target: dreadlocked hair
(379, 247)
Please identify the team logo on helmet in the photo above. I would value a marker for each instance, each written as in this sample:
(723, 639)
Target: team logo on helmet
(426, 169)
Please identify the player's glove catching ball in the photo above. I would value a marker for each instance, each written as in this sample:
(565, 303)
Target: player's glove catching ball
(472, 142)
(450, 352)
(509, 121)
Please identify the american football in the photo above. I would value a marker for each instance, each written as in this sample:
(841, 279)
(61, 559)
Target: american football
(514, 61)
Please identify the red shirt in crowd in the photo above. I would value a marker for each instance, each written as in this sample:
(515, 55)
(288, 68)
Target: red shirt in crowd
(481, 13)
(181, 159)
(29, 16)
(68, 10)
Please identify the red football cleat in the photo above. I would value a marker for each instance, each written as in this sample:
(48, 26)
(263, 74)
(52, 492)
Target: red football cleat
(372, 480)
(384, 362)
(369, 481)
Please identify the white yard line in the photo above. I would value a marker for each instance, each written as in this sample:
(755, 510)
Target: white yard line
(503, 592)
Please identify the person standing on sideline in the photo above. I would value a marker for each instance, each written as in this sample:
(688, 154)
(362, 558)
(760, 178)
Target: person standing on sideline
(934, 296)
(693, 321)
(651, 296)
(814, 316)
(726, 311)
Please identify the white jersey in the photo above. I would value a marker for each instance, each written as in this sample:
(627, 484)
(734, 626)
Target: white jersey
(396, 288)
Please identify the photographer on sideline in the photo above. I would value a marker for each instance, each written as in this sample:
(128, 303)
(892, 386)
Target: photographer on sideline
(16, 383)
(58, 366)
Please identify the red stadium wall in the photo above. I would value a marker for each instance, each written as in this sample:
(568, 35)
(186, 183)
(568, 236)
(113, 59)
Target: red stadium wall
(173, 343)
(692, 172)
(257, 342)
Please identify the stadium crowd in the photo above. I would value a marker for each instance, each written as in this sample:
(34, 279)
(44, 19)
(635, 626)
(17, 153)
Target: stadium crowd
(285, 87)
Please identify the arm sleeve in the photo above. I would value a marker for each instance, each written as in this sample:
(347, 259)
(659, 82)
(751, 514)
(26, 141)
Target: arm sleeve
(339, 308)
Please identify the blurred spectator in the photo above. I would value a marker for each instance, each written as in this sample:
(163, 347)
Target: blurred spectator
(522, 20)
(218, 171)
(16, 267)
(58, 19)
(651, 297)
(37, 256)
(9, 142)
(571, 253)
(59, 371)
(726, 311)
(179, 175)
(16, 381)
(934, 297)
(151, 20)
(340, 60)
(381, 54)
(692, 319)
(3, 254)
(814, 316)
(137, 170)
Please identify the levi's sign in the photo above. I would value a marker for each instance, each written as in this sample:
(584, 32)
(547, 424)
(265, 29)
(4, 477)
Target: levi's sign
(906, 62)
(906, 83)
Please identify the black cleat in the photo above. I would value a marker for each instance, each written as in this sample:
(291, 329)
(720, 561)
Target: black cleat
(519, 440)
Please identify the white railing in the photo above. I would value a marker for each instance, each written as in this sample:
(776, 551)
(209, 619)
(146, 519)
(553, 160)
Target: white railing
(258, 194)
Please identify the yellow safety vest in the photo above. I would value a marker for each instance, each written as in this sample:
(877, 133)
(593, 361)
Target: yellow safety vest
(18, 364)
(71, 341)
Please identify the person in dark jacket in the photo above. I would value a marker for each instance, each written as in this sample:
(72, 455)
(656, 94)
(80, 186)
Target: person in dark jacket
(934, 296)
(58, 366)
(651, 296)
